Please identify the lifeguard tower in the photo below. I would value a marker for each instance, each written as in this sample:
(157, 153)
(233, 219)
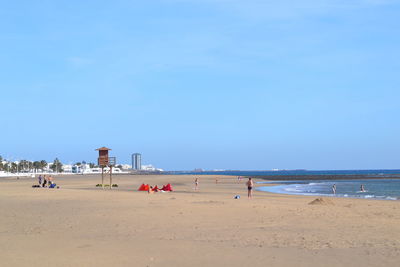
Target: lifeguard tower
(104, 161)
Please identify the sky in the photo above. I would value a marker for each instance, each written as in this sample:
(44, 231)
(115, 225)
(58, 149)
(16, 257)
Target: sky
(212, 84)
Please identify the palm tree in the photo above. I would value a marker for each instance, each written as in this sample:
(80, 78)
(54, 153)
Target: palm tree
(56, 166)
(14, 167)
(1, 163)
(43, 165)
(36, 165)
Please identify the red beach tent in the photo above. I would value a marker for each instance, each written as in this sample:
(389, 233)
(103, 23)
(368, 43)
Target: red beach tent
(144, 187)
(167, 187)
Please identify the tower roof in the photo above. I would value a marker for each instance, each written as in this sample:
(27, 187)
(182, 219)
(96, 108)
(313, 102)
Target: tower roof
(103, 148)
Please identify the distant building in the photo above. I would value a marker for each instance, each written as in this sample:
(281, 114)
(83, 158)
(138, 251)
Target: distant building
(85, 169)
(136, 161)
(125, 166)
(151, 168)
(67, 168)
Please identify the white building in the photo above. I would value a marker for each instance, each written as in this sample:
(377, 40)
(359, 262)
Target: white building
(67, 168)
(126, 166)
(85, 169)
(150, 168)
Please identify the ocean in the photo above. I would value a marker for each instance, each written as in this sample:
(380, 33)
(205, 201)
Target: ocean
(290, 172)
(388, 189)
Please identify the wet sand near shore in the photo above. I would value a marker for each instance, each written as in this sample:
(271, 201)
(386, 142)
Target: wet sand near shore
(81, 225)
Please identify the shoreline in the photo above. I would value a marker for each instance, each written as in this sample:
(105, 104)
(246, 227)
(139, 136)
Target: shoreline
(378, 189)
(330, 196)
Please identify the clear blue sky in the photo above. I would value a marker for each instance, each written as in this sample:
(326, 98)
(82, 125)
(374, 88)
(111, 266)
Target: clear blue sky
(203, 84)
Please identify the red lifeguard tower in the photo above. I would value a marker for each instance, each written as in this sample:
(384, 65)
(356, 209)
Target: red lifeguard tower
(105, 161)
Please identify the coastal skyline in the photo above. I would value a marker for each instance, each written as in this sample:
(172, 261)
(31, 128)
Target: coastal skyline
(252, 85)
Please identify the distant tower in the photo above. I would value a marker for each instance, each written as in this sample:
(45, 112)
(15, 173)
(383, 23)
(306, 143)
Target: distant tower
(136, 161)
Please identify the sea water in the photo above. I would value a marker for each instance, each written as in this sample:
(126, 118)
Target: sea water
(381, 173)
(374, 189)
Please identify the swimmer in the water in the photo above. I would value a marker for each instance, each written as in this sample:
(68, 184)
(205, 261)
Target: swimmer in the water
(362, 189)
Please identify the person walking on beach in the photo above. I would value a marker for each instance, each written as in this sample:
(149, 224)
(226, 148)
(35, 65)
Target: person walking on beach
(250, 188)
(40, 180)
(196, 184)
(334, 189)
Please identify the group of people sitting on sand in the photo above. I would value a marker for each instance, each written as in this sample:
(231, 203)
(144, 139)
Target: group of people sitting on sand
(46, 181)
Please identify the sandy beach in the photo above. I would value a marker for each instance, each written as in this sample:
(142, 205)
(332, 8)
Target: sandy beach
(81, 225)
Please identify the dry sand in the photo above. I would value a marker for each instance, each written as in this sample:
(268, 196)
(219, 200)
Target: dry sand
(79, 225)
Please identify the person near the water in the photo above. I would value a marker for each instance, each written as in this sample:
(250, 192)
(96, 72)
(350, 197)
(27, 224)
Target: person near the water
(362, 189)
(196, 184)
(334, 189)
(250, 185)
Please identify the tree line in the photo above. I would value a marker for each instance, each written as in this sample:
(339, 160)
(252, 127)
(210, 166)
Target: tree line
(29, 166)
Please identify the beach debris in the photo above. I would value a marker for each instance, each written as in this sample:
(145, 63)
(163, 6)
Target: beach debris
(237, 197)
(321, 201)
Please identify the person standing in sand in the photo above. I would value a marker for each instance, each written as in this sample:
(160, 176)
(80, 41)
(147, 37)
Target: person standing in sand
(250, 185)
(196, 184)
(44, 181)
(334, 189)
(40, 180)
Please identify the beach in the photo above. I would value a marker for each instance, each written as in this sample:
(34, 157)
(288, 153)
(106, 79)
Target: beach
(81, 225)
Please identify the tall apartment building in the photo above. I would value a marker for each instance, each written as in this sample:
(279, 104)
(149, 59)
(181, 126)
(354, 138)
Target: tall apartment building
(136, 161)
